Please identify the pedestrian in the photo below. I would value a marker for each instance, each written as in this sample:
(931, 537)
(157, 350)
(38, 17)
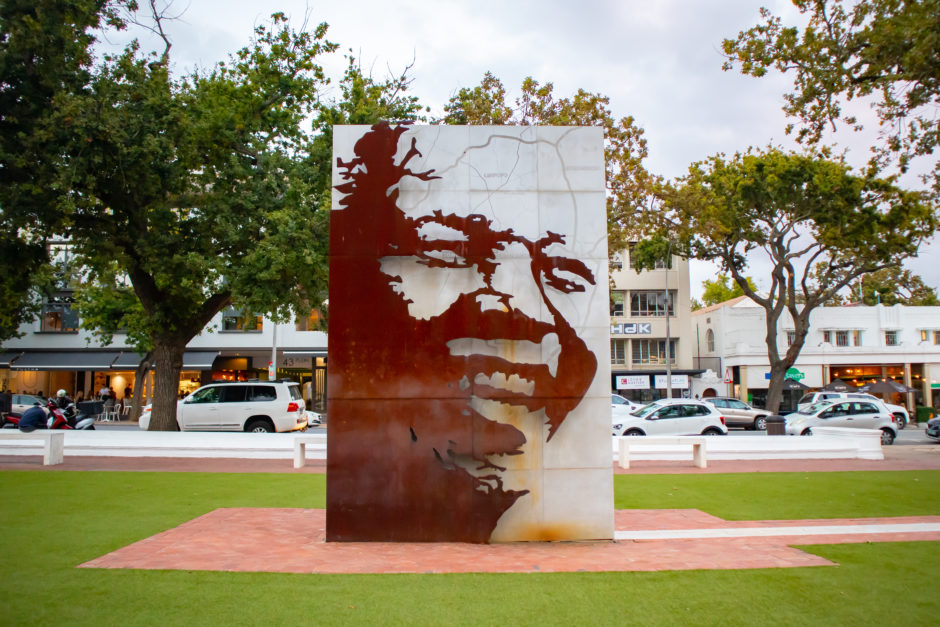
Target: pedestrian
(33, 418)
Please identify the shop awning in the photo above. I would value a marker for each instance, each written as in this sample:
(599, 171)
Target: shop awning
(128, 360)
(199, 360)
(7, 357)
(83, 360)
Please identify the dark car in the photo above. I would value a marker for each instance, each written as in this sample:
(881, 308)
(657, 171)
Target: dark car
(933, 429)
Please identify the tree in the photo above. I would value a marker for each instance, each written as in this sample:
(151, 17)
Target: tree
(198, 189)
(886, 52)
(817, 225)
(895, 285)
(628, 182)
(44, 52)
(718, 290)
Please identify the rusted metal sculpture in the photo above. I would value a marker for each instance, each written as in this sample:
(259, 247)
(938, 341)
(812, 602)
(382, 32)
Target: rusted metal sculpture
(433, 354)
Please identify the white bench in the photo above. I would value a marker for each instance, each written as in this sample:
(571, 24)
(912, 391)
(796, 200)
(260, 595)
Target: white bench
(53, 451)
(637, 441)
(300, 447)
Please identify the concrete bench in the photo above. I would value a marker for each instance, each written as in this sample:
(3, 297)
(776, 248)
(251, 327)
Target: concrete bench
(300, 447)
(53, 451)
(697, 443)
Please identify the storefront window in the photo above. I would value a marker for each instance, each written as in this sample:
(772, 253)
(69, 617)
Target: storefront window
(58, 317)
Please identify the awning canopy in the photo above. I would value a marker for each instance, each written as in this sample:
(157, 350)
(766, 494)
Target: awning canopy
(128, 361)
(83, 360)
(7, 357)
(199, 360)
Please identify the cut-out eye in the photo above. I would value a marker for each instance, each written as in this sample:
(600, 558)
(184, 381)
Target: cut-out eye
(441, 254)
(567, 275)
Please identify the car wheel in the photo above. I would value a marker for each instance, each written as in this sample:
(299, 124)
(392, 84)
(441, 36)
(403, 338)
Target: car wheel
(901, 422)
(760, 423)
(259, 426)
(634, 432)
(807, 432)
(712, 431)
(887, 436)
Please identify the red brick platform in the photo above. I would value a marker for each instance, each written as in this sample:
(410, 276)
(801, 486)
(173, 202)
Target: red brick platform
(240, 540)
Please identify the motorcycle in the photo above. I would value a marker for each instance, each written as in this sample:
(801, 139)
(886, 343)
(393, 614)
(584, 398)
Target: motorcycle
(69, 418)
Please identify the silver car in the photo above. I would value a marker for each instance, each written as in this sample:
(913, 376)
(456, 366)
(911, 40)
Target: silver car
(675, 416)
(737, 413)
(854, 414)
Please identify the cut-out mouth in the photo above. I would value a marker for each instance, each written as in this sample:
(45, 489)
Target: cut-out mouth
(522, 352)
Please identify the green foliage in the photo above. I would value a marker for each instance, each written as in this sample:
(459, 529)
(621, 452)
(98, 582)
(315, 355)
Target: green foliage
(718, 290)
(885, 52)
(628, 182)
(895, 285)
(44, 51)
(183, 196)
(816, 224)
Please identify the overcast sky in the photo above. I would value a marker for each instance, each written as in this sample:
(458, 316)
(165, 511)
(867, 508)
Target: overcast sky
(658, 61)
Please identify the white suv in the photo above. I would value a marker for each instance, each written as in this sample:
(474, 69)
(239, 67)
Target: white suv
(898, 411)
(259, 406)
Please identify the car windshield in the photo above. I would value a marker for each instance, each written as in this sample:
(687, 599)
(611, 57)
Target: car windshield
(807, 398)
(646, 410)
(815, 407)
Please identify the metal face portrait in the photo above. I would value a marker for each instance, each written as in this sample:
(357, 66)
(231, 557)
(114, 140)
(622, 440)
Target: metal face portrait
(468, 371)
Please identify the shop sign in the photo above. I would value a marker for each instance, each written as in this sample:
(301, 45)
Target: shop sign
(632, 328)
(792, 373)
(679, 381)
(633, 382)
(301, 362)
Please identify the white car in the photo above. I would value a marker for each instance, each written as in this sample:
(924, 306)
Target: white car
(899, 411)
(258, 406)
(858, 414)
(676, 416)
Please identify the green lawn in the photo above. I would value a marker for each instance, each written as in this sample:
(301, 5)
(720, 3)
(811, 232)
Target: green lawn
(53, 521)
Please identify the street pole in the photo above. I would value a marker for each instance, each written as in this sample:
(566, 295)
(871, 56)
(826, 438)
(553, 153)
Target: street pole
(272, 369)
(668, 335)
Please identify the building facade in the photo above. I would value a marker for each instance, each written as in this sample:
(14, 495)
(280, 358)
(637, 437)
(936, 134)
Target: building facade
(858, 344)
(54, 353)
(650, 329)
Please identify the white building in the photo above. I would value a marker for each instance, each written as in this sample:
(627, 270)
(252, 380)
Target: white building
(858, 344)
(643, 320)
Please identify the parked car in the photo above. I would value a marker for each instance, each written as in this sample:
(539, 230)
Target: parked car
(676, 416)
(859, 414)
(619, 403)
(899, 411)
(19, 403)
(933, 429)
(737, 413)
(259, 406)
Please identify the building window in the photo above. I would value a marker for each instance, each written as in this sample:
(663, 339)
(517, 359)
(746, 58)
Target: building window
(310, 323)
(57, 315)
(618, 352)
(891, 338)
(710, 341)
(924, 333)
(653, 352)
(842, 338)
(617, 299)
(936, 337)
(616, 264)
(791, 337)
(827, 336)
(660, 264)
(234, 320)
(651, 303)
(856, 337)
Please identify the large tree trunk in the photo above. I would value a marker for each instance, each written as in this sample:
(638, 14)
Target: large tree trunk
(168, 361)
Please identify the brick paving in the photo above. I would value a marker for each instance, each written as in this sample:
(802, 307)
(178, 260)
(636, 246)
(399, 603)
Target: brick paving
(240, 540)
